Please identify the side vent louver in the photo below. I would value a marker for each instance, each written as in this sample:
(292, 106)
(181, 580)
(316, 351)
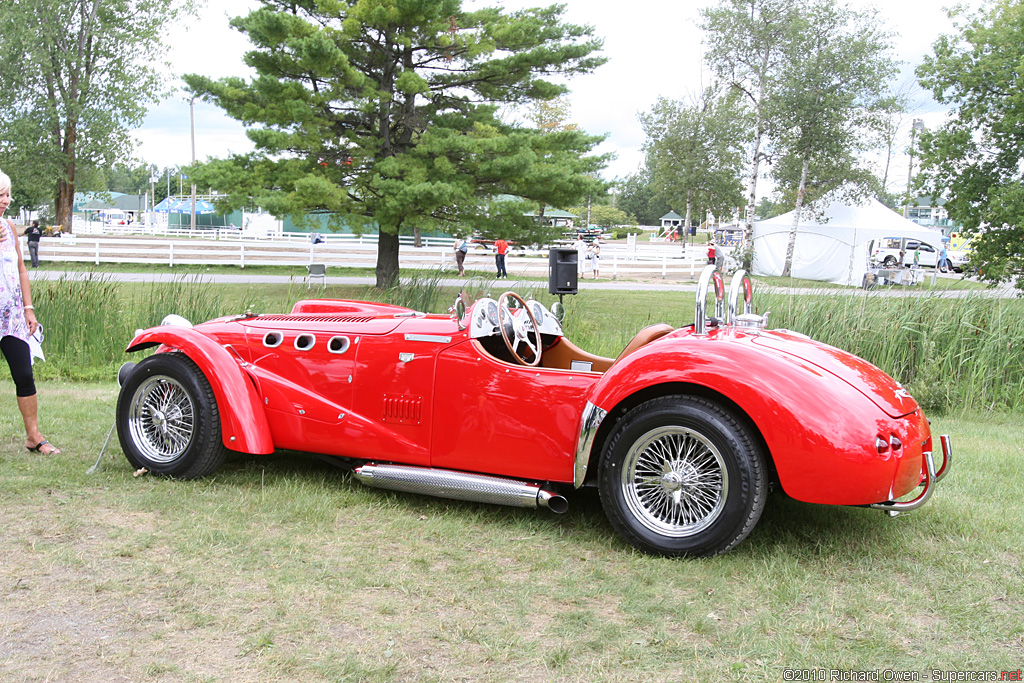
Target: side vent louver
(403, 409)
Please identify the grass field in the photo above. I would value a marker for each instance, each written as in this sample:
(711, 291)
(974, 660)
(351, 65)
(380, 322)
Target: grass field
(283, 568)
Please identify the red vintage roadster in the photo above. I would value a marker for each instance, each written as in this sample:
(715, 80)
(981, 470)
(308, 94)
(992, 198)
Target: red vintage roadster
(681, 434)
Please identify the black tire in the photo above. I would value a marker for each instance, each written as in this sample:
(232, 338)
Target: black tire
(889, 261)
(706, 481)
(167, 418)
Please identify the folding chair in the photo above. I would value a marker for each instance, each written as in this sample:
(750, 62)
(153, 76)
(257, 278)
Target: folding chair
(318, 270)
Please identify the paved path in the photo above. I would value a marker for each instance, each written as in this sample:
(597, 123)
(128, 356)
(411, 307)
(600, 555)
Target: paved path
(1003, 291)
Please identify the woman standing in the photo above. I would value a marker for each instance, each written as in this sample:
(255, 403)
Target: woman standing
(18, 323)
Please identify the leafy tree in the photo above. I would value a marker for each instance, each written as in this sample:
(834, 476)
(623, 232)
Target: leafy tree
(384, 113)
(748, 43)
(770, 208)
(604, 216)
(976, 160)
(551, 115)
(838, 71)
(637, 197)
(694, 152)
(77, 74)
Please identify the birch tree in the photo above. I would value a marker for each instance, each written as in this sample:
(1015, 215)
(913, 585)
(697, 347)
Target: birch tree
(837, 72)
(748, 43)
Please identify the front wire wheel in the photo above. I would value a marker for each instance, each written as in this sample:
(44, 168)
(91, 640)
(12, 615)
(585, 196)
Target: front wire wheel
(167, 418)
(682, 476)
(162, 419)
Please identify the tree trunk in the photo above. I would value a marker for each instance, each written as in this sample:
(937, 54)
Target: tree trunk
(748, 227)
(787, 271)
(416, 237)
(65, 205)
(387, 259)
(66, 186)
(689, 210)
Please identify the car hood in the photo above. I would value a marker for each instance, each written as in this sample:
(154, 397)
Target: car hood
(882, 389)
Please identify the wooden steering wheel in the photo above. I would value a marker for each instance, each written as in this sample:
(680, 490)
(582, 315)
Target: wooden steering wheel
(516, 329)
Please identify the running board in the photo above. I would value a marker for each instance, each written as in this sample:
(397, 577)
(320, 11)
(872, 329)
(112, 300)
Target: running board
(478, 488)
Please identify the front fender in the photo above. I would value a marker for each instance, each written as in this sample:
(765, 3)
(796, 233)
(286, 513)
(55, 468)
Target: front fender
(244, 425)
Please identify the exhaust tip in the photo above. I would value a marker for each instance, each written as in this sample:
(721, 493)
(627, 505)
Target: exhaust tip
(552, 501)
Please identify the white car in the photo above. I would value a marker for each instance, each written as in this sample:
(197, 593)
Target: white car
(887, 254)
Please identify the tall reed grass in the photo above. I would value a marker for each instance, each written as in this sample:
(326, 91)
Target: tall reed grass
(951, 353)
(89, 320)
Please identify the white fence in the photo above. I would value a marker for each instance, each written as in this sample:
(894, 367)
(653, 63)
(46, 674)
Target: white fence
(347, 251)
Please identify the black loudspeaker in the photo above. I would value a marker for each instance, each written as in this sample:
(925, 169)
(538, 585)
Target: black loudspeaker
(563, 270)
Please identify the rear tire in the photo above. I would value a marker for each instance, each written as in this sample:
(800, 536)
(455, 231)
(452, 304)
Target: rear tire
(681, 475)
(167, 418)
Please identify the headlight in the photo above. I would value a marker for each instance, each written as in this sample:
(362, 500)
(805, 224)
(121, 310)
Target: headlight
(175, 320)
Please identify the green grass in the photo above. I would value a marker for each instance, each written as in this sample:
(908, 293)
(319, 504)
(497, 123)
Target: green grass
(283, 569)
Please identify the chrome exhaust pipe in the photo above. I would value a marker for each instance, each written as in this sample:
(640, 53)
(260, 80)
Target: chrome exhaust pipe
(477, 488)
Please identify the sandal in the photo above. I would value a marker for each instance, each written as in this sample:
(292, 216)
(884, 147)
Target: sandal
(38, 448)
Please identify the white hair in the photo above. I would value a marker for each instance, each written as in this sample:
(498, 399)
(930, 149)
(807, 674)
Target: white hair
(5, 181)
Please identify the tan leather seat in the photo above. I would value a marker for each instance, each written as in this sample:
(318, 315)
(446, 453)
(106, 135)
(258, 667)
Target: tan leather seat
(645, 336)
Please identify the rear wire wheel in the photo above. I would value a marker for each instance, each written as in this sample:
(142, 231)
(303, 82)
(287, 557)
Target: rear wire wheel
(681, 475)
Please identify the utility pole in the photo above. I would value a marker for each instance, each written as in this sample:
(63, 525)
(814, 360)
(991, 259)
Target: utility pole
(918, 125)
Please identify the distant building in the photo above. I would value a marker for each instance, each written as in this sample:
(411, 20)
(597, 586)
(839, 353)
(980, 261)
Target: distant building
(930, 212)
(671, 220)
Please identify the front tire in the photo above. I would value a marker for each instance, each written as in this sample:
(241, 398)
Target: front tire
(167, 418)
(681, 475)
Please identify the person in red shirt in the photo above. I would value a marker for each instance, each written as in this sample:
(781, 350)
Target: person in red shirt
(500, 249)
(711, 252)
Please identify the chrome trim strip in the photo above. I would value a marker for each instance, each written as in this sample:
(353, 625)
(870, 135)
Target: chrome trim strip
(435, 338)
(589, 422)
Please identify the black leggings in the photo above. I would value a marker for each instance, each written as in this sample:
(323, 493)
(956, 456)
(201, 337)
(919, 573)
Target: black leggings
(19, 358)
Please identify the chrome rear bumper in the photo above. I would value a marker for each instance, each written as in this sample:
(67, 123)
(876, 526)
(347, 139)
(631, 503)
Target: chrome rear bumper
(931, 478)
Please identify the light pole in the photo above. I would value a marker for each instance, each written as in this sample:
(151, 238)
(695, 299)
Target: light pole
(192, 125)
(917, 125)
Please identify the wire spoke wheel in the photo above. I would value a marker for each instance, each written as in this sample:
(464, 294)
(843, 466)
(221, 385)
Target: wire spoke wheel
(675, 481)
(682, 475)
(162, 419)
(168, 420)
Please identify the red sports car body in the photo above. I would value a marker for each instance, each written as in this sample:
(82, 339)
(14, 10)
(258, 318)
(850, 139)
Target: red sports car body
(681, 433)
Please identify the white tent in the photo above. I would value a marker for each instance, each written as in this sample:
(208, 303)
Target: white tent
(835, 247)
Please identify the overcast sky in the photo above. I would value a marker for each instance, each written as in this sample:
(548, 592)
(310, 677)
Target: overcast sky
(654, 49)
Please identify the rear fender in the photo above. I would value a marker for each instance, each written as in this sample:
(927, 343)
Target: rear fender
(823, 452)
(243, 423)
